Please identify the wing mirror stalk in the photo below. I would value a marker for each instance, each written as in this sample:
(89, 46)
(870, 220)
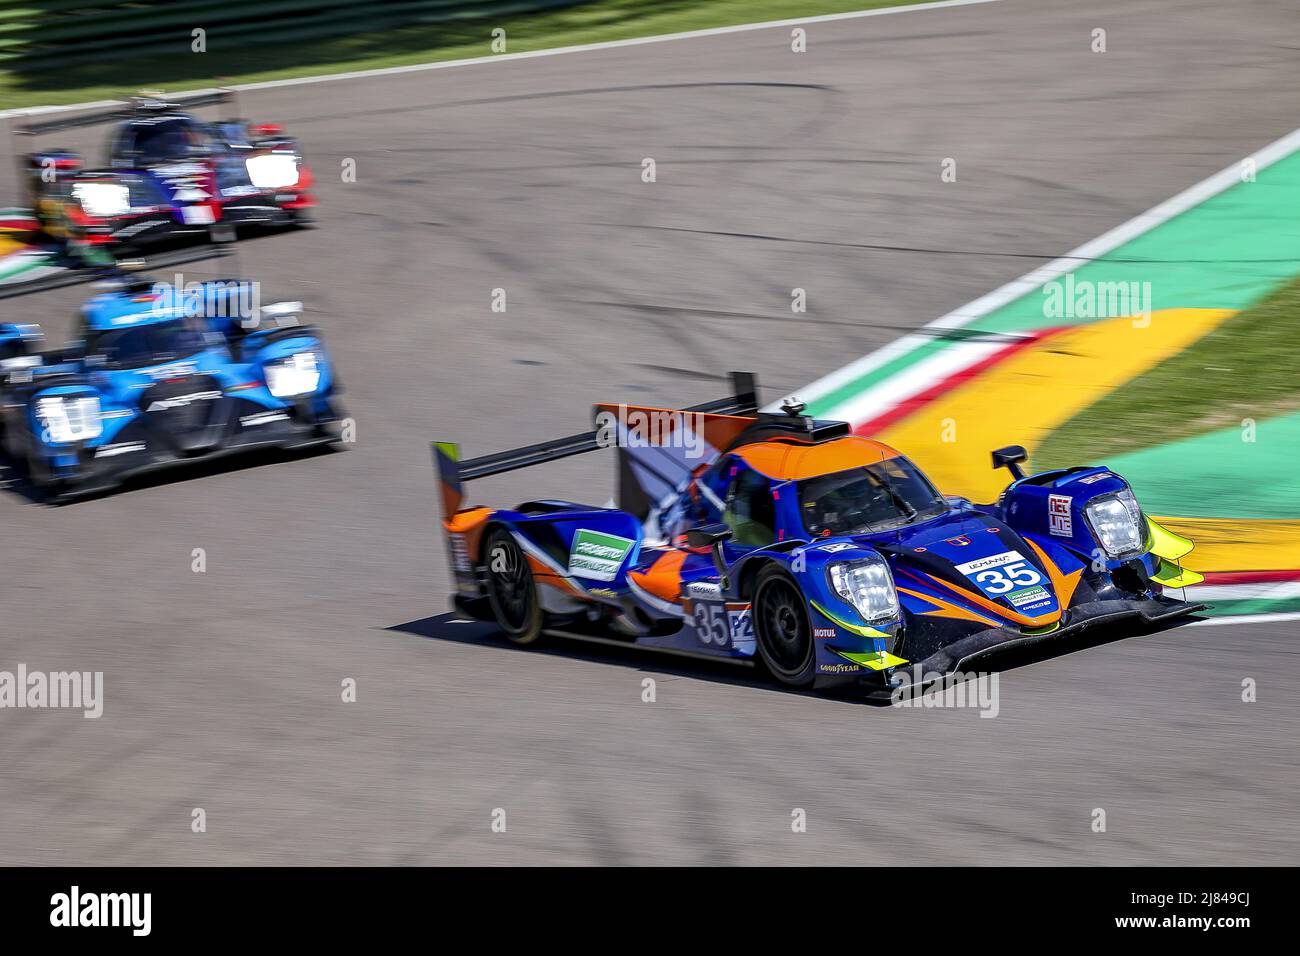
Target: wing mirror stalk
(712, 536)
(1010, 458)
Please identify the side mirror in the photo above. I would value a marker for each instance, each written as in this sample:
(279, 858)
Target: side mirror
(712, 536)
(1010, 458)
(284, 313)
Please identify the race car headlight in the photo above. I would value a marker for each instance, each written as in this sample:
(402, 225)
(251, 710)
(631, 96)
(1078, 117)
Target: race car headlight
(1117, 523)
(103, 199)
(272, 170)
(69, 419)
(866, 584)
(299, 374)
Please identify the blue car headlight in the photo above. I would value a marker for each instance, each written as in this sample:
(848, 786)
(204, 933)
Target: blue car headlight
(866, 583)
(299, 374)
(1116, 522)
(69, 418)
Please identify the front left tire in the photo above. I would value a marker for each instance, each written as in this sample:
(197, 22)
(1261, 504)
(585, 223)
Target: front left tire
(785, 641)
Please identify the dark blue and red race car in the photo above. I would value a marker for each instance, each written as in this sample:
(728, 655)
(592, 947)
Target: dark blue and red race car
(827, 556)
(167, 174)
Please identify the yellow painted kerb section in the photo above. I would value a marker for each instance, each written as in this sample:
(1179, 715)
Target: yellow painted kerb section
(1021, 400)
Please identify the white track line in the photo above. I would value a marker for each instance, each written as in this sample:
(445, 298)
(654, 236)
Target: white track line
(915, 379)
(1276, 590)
(532, 54)
(1093, 249)
(1248, 619)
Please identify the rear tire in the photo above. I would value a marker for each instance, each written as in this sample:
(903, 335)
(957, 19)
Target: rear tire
(512, 592)
(785, 641)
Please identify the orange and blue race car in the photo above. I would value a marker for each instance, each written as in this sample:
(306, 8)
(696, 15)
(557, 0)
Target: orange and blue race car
(827, 556)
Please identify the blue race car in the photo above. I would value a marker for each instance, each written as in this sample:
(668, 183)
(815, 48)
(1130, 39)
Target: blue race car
(160, 377)
(825, 555)
(167, 175)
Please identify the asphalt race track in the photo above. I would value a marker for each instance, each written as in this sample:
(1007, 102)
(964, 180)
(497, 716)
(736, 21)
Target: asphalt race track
(775, 170)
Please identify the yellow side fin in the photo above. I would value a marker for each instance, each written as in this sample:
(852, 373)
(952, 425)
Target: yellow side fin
(1165, 543)
(876, 660)
(1172, 576)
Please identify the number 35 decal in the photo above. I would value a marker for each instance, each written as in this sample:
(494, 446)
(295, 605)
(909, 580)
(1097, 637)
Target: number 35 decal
(711, 624)
(995, 581)
(722, 626)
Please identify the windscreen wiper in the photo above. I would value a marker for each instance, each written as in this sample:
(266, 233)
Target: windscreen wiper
(898, 501)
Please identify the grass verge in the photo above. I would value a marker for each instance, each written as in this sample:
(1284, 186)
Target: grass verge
(594, 22)
(1248, 367)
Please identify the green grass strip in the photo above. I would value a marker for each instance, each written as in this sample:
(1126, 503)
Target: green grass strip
(1247, 368)
(1260, 605)
(232, 63)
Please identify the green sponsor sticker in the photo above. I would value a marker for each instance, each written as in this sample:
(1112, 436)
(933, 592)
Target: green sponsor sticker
(1028, 596)
(598, 556)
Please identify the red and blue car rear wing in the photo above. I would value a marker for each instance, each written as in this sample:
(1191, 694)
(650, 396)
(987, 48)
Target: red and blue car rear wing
(124, 112)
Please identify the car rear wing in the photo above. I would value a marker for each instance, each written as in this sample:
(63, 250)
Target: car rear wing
(60, 278)
(453, 472)
(134, 107)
